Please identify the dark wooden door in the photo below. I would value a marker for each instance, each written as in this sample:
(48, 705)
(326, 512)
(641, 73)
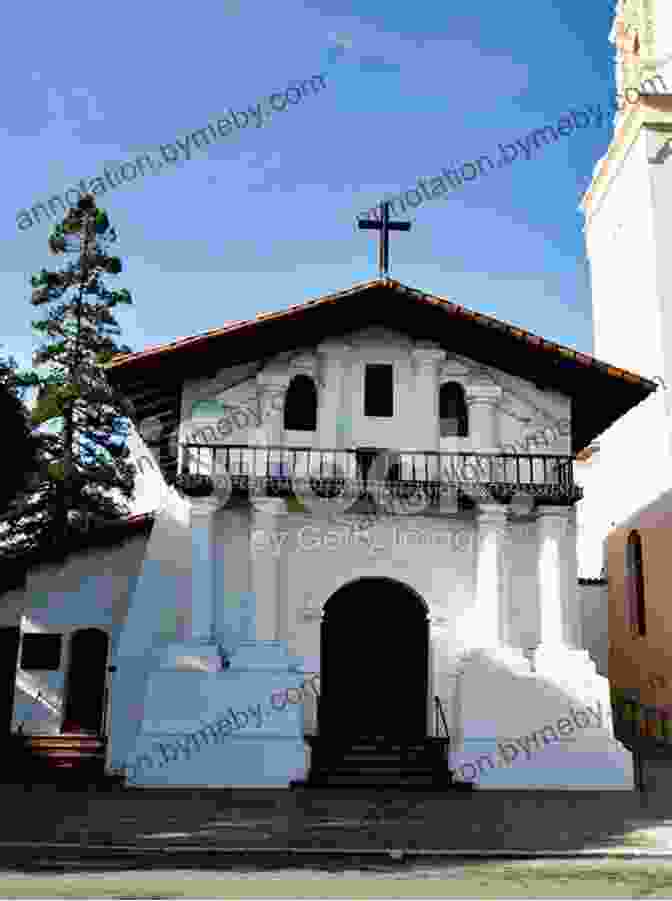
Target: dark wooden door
(10, 637)
(84, 706)
(374, 654)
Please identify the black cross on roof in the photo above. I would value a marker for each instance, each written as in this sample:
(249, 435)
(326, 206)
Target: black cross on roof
(384, 226)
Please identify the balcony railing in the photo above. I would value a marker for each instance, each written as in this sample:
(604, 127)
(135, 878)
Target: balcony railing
(359, 471)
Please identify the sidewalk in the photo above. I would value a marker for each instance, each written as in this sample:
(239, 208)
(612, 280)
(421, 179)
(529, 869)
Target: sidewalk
(263, 822)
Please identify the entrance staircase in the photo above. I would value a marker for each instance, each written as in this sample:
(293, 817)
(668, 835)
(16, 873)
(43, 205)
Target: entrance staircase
(379, 762)
(383, 762)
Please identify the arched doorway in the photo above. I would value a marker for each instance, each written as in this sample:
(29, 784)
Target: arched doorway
(85, 692)
(374, 658)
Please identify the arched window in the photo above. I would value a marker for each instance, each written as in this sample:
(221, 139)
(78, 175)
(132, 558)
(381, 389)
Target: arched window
(634, 584)
(453, 416)
(301, 405)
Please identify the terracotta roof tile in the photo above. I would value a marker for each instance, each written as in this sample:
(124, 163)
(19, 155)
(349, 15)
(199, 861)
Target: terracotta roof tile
(450, 307)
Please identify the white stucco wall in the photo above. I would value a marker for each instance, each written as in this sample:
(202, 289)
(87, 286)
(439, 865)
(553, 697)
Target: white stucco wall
(632, 468)
(632, 319)
(520, 408)
(621, 245)
(594, 602)
(89, 589)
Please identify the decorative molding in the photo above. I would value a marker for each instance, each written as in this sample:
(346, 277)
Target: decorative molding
(651, 113)
(453, 371)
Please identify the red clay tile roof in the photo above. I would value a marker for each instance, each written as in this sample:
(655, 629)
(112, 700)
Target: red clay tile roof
(121, 359)
(600, 393)
(532, 340)
(14, 568)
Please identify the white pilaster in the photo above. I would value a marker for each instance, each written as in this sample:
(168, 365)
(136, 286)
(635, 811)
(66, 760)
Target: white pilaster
(203, 569)
(482, 400)
(272, 385)
(330, 396)
(574, 614)
(552, 585)
(426, 360)
(443, 681)
(264, 565)
(558, 653)
(492, 528)
(200, 651)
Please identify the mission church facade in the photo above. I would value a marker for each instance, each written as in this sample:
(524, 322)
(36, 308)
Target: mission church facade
(353, 554)
(331, 506)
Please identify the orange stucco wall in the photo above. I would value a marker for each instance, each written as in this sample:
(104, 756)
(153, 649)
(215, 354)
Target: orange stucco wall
(638, 663)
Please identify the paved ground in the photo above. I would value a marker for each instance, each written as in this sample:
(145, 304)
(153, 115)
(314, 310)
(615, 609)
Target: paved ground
(272, 843)
(273, 820)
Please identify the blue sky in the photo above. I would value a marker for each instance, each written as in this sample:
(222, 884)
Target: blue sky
(266, 218)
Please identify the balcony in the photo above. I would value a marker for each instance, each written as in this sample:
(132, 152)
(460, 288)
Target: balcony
(381, 474)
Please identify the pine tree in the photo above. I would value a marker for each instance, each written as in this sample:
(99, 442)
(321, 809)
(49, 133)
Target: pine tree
(84, 474)
(20, 446)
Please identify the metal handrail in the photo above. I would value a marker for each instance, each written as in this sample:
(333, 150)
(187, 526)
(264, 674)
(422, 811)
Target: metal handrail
(438, 711)
(351, 450)
(35, 694)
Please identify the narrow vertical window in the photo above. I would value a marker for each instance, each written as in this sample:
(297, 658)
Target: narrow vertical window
(634, 584)
(379, 390)
(301, 405)
(453, 417)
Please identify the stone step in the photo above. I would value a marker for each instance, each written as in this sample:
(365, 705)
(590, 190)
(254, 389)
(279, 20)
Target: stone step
(51, 758)
(378, 763)
(377, 779)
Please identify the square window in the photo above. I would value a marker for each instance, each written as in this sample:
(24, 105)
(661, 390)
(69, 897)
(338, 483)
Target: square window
(41, 651)
(379, 390)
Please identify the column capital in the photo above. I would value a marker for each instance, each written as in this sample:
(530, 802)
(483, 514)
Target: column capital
(427, 355)
(203, 507)
(495, 514)
(555, 510)
(453, 370)
(304, 364)
(483, 393)
(554, 519)
(273, 380)
(270, 506)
